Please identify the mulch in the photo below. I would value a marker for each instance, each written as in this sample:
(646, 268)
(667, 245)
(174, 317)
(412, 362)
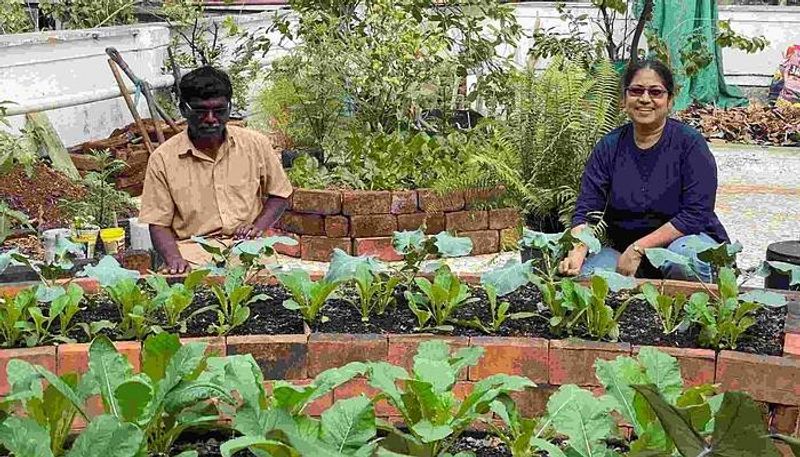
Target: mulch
(38, 195)
(754, 124)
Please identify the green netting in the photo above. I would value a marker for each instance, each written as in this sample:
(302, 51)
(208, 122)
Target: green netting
(675, 21)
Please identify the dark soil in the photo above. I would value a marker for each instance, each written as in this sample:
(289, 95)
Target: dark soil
(639, 324)
(38, 195)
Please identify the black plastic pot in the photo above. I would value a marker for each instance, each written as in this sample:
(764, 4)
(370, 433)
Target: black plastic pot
(546, 223)
(782, 251)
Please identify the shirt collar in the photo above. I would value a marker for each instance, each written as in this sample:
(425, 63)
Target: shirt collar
(186, 146)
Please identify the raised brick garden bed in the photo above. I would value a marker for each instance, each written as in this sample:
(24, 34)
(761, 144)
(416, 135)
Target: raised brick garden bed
(362, 222)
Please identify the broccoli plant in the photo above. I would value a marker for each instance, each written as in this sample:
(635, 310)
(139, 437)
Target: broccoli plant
(234, 296)
(439, 299)
(250, 254)
(308, 296)
(373, 281)
(416, 247)
(175, 299)
(501, 282)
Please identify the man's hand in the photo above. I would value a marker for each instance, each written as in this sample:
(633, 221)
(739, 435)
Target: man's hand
(176, 265)
(629, 262)
(248, 231)
(571, 266)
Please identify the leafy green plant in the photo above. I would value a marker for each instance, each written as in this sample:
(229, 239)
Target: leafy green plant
(87, 14)
(249, 254)
(522, 436)
(583, 418)
(439, 299)
(416, 247)
(234, 296)
(668, 307)
(427, 403)
(374, 283)
(499, 313)
(174, 300)
(308, 296)
(588, 305)
(37, 327)
(501, 282)
(9, 219)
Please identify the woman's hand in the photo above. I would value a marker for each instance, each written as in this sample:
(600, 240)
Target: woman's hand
(629, 262)
(571, 266)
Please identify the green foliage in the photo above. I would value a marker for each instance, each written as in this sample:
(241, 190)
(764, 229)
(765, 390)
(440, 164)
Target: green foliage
(250, 254)
(88, 14)
(9, 219)
(435, 418)
(233, 299)
(103, 203)
(374, 283)
(308, 296)
(174, 300)
(15, 149)
(584, 419)
(439, 299)
(588, 305)
(668, 307)
(15, 17)
(416, 247)
(575, 45)
(499, 313)
(521, 435)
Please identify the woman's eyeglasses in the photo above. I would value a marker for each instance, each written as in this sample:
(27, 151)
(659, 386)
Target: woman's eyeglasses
(200, 112)
(653, 92)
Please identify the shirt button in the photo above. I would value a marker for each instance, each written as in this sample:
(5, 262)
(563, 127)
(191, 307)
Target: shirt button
(642, 189)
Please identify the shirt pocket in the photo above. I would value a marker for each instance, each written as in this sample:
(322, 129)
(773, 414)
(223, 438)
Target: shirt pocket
(185, 197)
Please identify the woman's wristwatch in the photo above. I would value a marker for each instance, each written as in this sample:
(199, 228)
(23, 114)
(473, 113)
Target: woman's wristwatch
(637, 249)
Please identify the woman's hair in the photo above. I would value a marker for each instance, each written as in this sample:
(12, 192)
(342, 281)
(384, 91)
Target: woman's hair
(657, 66)
(204, 83)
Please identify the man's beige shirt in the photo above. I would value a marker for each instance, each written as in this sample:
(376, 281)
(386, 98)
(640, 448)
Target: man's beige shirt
(196, 195)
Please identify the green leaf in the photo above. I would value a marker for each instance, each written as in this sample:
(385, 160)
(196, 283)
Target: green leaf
(616, 282)
(343, 266)
(109, 369)
(106, 436)
(408, 241)
(47, 294)
(739, 429)
(585, 420)
(539, 240)
(272, 447)
(133, 398)
(256, 246)
(23, 437)
(349, 423)
(108, 272)
(185, 362)
(430, 433)
(662, 370)
(677, 425)
(764, 297)
(617, 376)
(509, 277)
(659, 257)
(766, 269)
(207, 246)
(157, 351)
(587, 237)
(195, 278)
(451, 246)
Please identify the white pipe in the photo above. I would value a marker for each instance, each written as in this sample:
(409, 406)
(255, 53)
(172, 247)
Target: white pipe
(81, 98)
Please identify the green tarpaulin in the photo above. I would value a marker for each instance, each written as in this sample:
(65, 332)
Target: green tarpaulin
(675, 21)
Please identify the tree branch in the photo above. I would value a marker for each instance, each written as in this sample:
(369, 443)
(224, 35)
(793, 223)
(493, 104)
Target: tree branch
(647, 13)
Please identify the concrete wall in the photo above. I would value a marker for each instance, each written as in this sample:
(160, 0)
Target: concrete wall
(41, 66)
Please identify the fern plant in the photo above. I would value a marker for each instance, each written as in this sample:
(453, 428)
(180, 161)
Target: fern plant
(540, 150)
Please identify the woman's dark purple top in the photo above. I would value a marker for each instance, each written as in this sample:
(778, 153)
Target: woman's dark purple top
(641, 190)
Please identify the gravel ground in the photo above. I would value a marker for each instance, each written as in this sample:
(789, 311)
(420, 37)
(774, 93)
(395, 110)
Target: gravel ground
(758, 202)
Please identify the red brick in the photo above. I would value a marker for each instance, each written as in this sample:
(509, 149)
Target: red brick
(320, 248)
(572, 361)
(784, 419)
(431, 201)
(216, 345)
(373, 225)
(85, 162)
(463, 389)
(467, 220)
(285, 249)
(380, 247)
(74, 358)
(477, 197)
(44, 356)
(317, 407)
(358, 386)
(278, 356)
(331, 350)
(526, 357)
(137, 259)
(317, 201)
(403, 202)
(504, 218)
(483, 241)
(532, 402)
(434, 222)
(697, 365)
(509, 239)
(337, 226)
(403, 348)
(366, 202)
(765, 378)
(791, 345)
(302, 224)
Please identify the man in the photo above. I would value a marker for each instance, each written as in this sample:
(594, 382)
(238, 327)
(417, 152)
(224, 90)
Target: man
(211, 180)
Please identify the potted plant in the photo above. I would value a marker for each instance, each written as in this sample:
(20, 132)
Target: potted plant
(85, 231)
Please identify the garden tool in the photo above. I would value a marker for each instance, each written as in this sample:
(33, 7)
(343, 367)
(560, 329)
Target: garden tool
(131, 106)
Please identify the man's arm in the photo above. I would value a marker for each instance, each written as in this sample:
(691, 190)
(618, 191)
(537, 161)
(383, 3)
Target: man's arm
(166, 245)
(272, 211)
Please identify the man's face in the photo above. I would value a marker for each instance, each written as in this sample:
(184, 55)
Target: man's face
(206, 118)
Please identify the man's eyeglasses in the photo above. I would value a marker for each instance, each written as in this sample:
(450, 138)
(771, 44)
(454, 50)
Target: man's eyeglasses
(200, 112)
(653, 92)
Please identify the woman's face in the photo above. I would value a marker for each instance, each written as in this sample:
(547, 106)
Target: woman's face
(650, 107)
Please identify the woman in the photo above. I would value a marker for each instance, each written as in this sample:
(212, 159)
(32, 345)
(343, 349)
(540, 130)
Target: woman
(654, 179)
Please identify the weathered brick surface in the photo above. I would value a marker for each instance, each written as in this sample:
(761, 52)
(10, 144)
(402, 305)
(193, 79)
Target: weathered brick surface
(330, 350)
(137, 259)
(285, 249)
(434, 222)
(532, 402)
(380, 247)
(337, 226)
(483, 241)
(504, 218)
(526, 357)
(784, 419)
(467, 220)
(572, 361)
(74, 358)
(697, 365)
(317, 201)
(765, 378)
(359, 386)
(320, 248)
(302, 224)
(366, 202)
(432, 202)
(216, 346)
(404, 202)
(403, 348)
(791, 345)
(476, 197)
(371, 226)
(278, 356)
(44, 356)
